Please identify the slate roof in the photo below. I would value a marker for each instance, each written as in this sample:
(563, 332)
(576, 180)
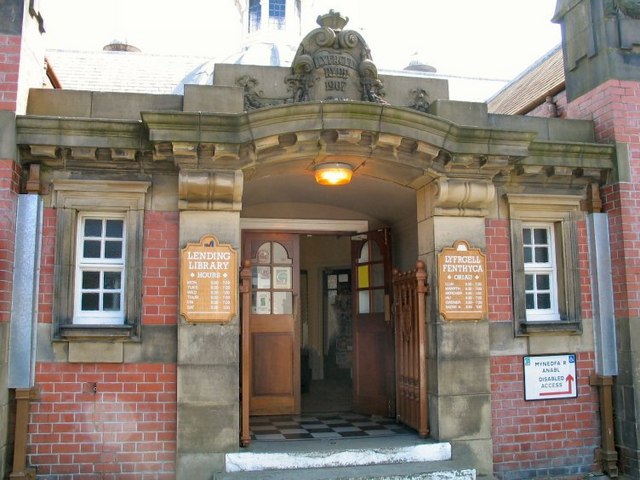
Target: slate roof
(530, 88)
(134, 72)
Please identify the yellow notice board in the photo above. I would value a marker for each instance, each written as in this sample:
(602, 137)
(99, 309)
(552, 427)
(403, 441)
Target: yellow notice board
(208, 281)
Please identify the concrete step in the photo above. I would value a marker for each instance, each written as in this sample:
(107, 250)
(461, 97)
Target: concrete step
(405, 459)
(407, 471)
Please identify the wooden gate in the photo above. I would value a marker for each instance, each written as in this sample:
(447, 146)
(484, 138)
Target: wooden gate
(409, 293)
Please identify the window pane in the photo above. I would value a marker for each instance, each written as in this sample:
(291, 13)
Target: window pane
(526, 236)
(530, 304)
(90, 301)
(377, 274)
(540, 236)
(378, 300)
(544, 301)
(91, 249)
(542, 282)
(92, 227)
(90, 280)
(527, 255)
(364, 253)
(111, 302)
(112, 280)
(363, 301)
(282, 277)
(264, 253)
(363, 276)
(283, 302)
(542, 255)
(528, 282)
(115, 228)
(376, 253)
(113, 249)
(280, 254)
(260, 277)
(261, 303)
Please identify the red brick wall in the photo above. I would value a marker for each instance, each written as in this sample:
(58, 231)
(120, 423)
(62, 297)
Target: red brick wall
(9, 67)
(122, 430)
(9, 187)
(542, 438)
(499, 288)
(614, 108)
(161, 268)
(126, 428)
(536, 438)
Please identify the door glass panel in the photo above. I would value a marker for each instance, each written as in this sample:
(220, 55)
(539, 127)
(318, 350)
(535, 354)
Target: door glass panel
(363, 301)
(261, 303)
(377, 272)
(364, 253)
(376, 253)
(264, 253)
(282, 278)
(378, 300)
(283, 303)
(363, 276)
(260, 277)
(280, 254)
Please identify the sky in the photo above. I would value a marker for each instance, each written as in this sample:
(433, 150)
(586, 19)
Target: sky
(478, 39)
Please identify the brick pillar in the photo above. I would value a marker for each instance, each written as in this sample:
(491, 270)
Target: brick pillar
(9, 179)
(614, 107)
(602, 67)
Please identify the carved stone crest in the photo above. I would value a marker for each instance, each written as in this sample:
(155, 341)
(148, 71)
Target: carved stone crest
(334, 64)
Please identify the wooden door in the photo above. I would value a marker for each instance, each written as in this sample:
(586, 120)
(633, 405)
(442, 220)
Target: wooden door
(373, 344)
(274, 323)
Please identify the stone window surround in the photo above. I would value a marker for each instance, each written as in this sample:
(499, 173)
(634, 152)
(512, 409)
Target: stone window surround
(563, 212)
(71, 196)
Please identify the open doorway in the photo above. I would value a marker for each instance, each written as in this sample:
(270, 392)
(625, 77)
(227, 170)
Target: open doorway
(327, 342)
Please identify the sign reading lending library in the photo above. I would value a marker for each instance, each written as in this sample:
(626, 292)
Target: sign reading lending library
(208, 281)
(462, 282)
(550, 376)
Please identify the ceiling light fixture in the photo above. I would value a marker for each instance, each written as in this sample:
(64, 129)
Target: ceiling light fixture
(333, 173)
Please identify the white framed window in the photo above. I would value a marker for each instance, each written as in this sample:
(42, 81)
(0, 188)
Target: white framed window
(544, 262)
(540, 272)
(98, 266)
(100, 269)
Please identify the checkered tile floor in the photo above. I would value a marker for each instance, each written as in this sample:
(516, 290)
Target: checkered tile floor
(326, 426)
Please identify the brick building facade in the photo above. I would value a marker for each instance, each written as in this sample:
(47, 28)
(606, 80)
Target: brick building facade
(109, 378)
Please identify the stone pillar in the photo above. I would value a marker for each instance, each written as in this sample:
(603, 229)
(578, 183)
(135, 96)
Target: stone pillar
(458, 350)
(208, 354)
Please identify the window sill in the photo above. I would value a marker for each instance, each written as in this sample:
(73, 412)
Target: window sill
(96, 332)
(540, 327)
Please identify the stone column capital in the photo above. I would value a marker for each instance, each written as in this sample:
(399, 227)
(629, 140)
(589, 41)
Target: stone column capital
(211, 190)
(462, 197)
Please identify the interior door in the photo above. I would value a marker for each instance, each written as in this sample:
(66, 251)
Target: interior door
(373, 343)
(274, 323)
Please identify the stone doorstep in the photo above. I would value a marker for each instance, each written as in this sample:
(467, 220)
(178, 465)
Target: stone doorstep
(259, 461)
(406, 471)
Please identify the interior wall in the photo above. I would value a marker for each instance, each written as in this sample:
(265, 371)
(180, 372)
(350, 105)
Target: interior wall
(404, 244)
(319, 253)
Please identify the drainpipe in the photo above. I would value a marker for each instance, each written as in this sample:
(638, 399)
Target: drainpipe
(23, 326)
(604, 329)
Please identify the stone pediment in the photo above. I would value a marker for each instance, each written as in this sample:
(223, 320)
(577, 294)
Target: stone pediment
(334, 64)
